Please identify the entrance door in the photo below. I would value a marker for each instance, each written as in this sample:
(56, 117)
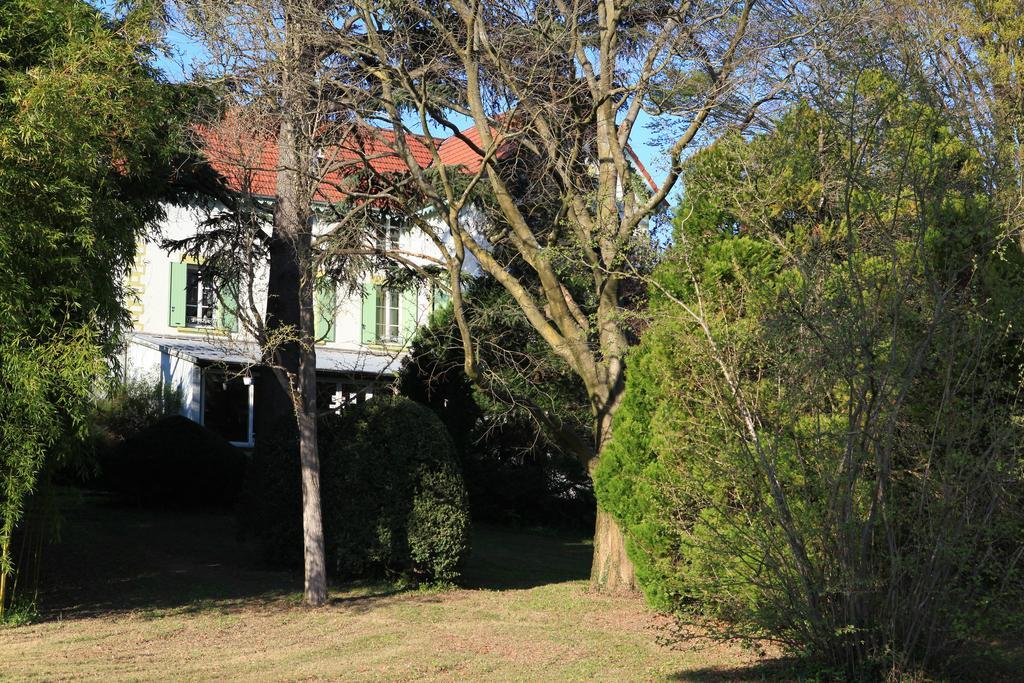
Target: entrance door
(227, 406)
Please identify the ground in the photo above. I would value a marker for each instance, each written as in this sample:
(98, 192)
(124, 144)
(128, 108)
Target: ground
(154, 596)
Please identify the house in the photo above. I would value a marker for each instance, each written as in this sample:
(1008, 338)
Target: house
(188, 335)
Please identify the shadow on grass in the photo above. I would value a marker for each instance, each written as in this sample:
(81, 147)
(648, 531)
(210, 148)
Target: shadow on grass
(771, 670)
(1000, 662)
(115, 558)
(503, 559)
(362, 603)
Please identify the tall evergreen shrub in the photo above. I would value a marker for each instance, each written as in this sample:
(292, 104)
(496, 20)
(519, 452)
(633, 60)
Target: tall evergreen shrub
(820, 438)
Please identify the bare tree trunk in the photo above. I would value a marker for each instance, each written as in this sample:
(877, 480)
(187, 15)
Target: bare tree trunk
(612, 571)
(292, 216)
(273, 402)
(282, 63)
(312, 526)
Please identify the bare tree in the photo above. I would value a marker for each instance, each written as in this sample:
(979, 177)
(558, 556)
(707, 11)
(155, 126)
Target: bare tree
(286, 114)
(554, 91)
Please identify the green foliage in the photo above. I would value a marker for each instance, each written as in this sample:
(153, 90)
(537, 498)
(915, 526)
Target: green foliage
(43, 398)
(83, 122)
(514, 472)
(19, 613)
(819, 441)
(130, 404)
(433, 375)
(392, 496)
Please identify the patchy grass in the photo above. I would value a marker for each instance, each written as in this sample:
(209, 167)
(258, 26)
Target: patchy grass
(152, 596)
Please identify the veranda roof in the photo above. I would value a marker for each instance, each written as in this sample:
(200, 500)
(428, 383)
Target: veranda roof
(230, 352)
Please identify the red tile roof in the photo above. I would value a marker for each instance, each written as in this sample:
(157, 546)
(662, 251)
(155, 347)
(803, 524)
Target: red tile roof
(455, 152)
(640, 167)
(249, 162)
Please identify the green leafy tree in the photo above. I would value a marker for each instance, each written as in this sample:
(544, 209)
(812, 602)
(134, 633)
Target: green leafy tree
(819, 439)
(514, 470)
(84, 142)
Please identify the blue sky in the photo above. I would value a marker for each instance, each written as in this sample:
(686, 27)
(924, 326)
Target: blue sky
(652, 156)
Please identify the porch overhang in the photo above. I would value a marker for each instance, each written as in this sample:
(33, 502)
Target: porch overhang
(226, 351)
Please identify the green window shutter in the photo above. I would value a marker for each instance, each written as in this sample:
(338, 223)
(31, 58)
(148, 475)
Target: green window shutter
(369, 313)
(408, 303)
(439, 299)
(325, 309)
(179, 277)
(229, 307)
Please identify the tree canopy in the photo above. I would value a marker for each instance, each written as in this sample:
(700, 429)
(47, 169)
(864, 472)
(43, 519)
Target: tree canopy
(819, 442)
(85, 139)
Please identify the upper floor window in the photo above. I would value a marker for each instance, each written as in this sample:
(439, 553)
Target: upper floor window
(200, 298)
(196, 301)
(388, 236)
(389, 308)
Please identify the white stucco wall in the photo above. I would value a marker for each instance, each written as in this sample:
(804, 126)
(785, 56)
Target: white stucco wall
(152, 277)
(180, 375)
(150, 282)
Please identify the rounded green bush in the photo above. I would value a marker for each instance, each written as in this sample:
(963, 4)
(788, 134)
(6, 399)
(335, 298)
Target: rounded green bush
(392, 496)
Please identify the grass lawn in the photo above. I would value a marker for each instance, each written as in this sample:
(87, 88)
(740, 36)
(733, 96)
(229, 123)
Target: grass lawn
(156, 596)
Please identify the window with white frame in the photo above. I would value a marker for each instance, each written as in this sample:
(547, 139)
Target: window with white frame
(388, 235)
(334, 395)
(389, 307)
(200, 298)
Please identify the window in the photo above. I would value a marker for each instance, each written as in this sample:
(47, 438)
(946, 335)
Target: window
(388, 315)
(439, 298)
(200, 298)
(196, 302)
(388, 236)
(335, 396)
(355, 392)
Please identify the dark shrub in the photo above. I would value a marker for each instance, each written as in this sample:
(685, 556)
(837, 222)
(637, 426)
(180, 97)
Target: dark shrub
(128, 405)
(392, 495)
(518, 479)
(174, 462)
(121, 407)
(514, 474)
